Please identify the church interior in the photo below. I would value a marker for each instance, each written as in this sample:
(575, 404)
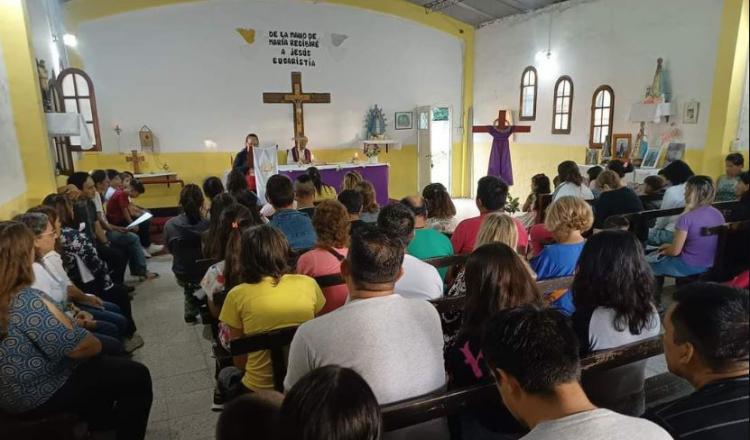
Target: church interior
(374, 219)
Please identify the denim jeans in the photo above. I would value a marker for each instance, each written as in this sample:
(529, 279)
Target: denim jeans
(108, 334)
(675, 267)
(111, 313)
(130, 244)
(658, 237)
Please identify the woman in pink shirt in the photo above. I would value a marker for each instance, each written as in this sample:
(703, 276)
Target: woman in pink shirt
(331, 223)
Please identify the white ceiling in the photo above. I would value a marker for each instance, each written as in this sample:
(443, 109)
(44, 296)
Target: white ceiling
(479, 12)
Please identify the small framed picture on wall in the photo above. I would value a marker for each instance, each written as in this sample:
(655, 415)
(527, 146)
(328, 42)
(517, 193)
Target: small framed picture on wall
(621, 145)
(690, 113)
(404, 120)
(651, 158)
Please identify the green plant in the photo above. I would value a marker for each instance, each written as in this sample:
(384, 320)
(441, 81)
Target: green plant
(512, 205)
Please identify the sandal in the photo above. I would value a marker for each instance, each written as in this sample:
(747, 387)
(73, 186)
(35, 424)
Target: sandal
(148, 276)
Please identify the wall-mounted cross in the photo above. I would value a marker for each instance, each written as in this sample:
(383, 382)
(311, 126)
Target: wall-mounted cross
(136, 159)
(297, 99)
(501, 124)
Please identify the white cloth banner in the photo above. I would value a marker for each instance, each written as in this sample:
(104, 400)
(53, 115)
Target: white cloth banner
(266, 163)
(69, 124)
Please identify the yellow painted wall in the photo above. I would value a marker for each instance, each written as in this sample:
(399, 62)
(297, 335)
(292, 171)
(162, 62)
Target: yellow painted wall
(26, 103)
(79, 11)
(195, 167)
(729, 80)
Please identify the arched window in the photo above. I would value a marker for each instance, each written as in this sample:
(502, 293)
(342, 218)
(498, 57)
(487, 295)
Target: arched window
(602, 111)
(76, 93)
(527, 106)
(562, 106)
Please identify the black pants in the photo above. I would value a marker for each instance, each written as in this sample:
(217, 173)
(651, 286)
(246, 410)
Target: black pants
(117, 295)
(107, 393)
(115, 259)
(144, 233)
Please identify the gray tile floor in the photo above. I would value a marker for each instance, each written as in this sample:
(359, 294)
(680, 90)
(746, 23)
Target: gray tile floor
(179, 358)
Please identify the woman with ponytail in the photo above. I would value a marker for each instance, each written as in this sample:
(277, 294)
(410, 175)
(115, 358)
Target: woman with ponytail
(322, 191)
(441, 213)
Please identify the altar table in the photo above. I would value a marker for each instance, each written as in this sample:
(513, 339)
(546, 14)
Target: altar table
(334, 174)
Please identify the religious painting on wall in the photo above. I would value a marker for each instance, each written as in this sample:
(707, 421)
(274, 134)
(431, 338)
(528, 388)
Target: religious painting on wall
(621, 145)
(690, 115)
(404, 120)
(592, 156)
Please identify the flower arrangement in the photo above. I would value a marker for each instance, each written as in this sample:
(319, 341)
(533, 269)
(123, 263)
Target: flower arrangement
(372, 150)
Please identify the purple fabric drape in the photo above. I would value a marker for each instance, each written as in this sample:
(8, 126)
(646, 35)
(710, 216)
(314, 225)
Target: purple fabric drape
(500, 165)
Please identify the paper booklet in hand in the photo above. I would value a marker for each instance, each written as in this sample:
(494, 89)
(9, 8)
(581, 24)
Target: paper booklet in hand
(145, 216)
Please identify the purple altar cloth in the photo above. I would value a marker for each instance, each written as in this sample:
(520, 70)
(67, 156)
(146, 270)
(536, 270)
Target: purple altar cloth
(333, 175)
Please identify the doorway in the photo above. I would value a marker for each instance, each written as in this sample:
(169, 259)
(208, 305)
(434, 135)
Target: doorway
(434, 145)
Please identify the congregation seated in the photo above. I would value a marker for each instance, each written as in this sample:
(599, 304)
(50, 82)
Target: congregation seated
(533, 354)
(497, 278)
(691, 253)
(50, 278)
(86, 270)
(427, 242)
(352, 201)
(592, 174)
(268, 297)
(619, 167)
(84, 211)
(540, 186)
(492, 195)
(742, 190)
(653, 189)
(304, 195)
(212, 246)
(296, 226)
(182, 234)
(394, 343)
(616, 222)
(676, 174)
(441, 212)
(567, 219)
(330, 402)
(49, 364)
(125, 240)
(370, 207)
(539, 235)
(419, 279)
(615, 199)
(571, 183)
(115, 183)
(613, 293)
(251, 416)
(332, 229)
(322, 191)
(726, 185)
(706, 343)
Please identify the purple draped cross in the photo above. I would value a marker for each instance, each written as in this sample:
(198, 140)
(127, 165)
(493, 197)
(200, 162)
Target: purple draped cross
(500, 165)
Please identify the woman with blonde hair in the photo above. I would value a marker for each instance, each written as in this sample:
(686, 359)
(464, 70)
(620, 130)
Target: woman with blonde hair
(351, 179)
(567, 219)
(370, 208)
(691, 253)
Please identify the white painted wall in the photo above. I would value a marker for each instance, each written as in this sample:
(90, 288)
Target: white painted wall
(597, 42)
(12, 180)
(185, 72)
(45, 21)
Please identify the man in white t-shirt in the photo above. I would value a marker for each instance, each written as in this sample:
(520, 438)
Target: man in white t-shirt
(420, 280)
(394, 343)
(533, 355)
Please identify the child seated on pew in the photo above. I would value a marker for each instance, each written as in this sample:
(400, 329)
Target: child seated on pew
(540, 185)
(497, 278)
(727, 184)
(567, 218)
(691, 253)
(653, 187)
(269, 297)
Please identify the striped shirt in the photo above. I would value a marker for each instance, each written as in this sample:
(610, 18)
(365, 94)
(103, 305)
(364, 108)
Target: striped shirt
(718, 411)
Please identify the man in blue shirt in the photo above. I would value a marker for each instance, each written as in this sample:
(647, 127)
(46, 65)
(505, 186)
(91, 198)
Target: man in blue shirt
(296, 226)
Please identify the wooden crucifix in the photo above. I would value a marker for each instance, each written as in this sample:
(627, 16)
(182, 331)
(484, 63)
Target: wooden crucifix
(297, 99)
(136, 159)
(501, 123)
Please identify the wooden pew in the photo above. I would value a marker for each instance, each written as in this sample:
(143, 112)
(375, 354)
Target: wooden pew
(441, 404)
(732, 237)
(62, 426)
(639, 221)
(276, 341)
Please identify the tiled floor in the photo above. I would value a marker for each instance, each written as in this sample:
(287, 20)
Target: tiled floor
(179, 359)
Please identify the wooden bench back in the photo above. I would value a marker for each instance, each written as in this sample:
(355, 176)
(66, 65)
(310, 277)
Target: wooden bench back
(729, 235)
(441, 404)
(639, 221)
(275, 341)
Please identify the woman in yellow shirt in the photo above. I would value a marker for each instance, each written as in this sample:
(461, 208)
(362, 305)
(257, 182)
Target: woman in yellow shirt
(269, 298)
(322, 191)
